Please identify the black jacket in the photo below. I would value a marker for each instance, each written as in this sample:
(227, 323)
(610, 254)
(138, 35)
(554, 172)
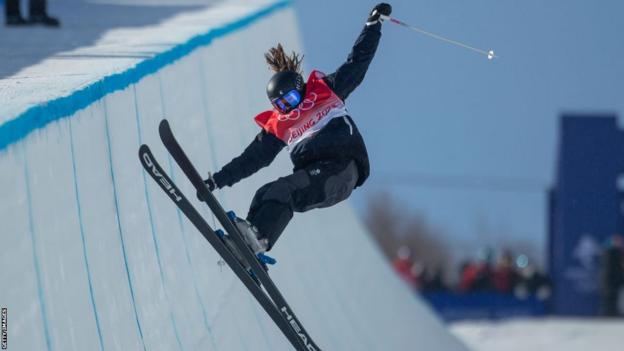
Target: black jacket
(338, 140)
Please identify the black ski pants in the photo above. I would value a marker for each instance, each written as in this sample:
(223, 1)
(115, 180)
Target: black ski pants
(36, 7)
(320, 184)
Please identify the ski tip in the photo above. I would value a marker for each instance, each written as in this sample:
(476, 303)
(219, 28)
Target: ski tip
(143, 149)
(163, 127)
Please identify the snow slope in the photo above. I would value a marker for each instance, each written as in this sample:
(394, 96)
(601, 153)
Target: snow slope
(549, 334)
(95, 257)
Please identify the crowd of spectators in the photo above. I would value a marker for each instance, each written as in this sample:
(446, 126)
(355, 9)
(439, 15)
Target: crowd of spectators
(514, 275)
(505, 275)
(416, 274)
(509, 274)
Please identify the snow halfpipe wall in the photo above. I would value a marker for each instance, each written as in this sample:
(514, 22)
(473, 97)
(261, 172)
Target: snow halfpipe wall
(95, 257)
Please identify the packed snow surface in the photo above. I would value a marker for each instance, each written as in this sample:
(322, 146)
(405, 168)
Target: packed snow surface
(97, 39)
(550, 334)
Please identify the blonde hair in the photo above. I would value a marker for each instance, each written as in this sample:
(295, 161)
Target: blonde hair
(278, 61)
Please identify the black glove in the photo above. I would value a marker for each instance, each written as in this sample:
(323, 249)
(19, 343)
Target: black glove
(210, 183)
(380, 9)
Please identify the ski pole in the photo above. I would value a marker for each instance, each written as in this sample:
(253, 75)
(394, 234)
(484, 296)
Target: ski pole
(490, 54)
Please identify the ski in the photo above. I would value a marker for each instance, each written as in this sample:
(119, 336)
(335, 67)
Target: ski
(178, 154)
(164, 181)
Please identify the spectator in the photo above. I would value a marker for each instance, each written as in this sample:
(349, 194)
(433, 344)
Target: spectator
(612, 276)
(531, 282)
(38, 14)
(476, 276)
(432, 280)
(468, 275)
(403, 265)
(505, 276)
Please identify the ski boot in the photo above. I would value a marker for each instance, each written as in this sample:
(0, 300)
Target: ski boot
(257, 246)
(15, 20)
(250, 234)
(45, 20)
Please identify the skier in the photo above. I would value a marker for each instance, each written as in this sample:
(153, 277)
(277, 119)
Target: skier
(311, 120)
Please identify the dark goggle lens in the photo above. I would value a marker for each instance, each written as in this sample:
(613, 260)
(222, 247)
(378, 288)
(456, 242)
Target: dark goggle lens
(279, 104)
(287, 102)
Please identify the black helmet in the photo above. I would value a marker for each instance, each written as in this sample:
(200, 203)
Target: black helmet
(286, 90)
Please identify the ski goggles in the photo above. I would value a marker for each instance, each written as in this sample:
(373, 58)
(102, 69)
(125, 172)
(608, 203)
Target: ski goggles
(287, 102)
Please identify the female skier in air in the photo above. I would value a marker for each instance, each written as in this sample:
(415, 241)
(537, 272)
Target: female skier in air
(311, 120)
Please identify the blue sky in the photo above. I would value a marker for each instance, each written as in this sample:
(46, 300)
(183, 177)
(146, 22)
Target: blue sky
(450, 116)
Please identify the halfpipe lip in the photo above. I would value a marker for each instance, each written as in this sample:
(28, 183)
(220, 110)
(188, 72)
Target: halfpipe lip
(40, 115)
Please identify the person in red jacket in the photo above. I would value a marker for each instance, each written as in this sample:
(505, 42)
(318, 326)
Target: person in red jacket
(310, 119)
(404, 266)
(504, 277)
